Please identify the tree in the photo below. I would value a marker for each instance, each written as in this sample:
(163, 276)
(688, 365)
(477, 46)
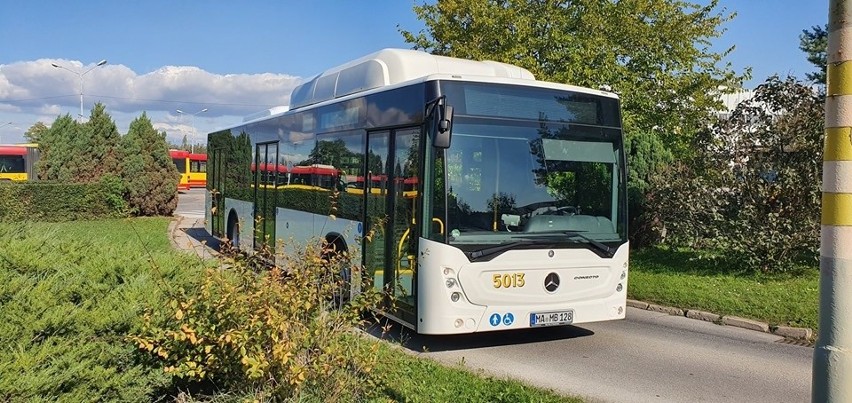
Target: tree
(33, 134)
(98, 151)
(148, 171)
(754, 193)
(55, 146)
(332, 152)
(655, 53)
(815, 44)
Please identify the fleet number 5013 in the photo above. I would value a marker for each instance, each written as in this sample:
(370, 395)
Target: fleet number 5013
(508, 280)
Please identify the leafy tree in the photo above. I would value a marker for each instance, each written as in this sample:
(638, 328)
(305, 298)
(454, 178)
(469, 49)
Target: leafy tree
(150, 175)
(755, 191)
(332, 153)
(655, 53)
(815, 44)
(33, 134)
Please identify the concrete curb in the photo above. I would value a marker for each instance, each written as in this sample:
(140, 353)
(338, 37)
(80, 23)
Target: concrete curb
(787, 332)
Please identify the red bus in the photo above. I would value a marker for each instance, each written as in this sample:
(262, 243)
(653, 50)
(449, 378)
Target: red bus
(192, 168)
(197, 170)
(17, 163)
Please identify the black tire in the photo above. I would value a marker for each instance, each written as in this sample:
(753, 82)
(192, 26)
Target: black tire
(234, 230)
(336, 252)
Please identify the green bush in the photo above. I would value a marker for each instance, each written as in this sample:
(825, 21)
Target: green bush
(71, 293)
(147, 170)
(50, 201)
(647, 158)
(277, 331)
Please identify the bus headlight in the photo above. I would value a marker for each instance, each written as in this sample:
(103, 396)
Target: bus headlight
(623, 275)
(455, 296)
(448, 271)
(451, 282)
(619, 287)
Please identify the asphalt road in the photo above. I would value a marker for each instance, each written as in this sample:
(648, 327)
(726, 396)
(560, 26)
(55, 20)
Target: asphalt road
(191, 203)
(649, 357)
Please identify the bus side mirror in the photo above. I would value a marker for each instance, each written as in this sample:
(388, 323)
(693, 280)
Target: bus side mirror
(444, 127)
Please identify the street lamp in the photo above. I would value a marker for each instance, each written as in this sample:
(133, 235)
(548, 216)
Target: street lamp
(4, 125)
(181, 113)
(79, 74)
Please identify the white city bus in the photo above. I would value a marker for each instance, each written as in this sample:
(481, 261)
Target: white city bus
(494, 201)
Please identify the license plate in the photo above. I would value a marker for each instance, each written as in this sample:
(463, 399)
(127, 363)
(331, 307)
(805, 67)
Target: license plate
(552, 318)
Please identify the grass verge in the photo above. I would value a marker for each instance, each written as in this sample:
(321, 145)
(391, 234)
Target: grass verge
(681, 278)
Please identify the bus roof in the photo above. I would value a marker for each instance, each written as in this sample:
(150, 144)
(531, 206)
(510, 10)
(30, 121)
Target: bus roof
(393, 66)
(178, 153)
(13, 150)
(198, 157)
(389, 68)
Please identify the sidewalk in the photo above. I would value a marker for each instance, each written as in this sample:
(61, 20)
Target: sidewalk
(188, 234)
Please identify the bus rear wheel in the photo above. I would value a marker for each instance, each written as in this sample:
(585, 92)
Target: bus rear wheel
(234, 230)
(336, 257)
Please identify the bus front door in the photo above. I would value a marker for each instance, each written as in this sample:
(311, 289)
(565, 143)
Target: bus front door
(391, 236)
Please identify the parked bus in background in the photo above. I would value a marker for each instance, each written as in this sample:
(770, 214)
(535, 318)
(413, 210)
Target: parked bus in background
(502, 202)
(17, 163)
(197, 170)
(181, 160)
(192, 168)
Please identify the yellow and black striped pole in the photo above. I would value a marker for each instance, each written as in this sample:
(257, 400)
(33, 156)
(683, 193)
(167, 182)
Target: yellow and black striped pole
(832, 375)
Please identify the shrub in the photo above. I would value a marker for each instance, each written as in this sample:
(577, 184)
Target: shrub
(275, 331)
(50, 201)
(647, 158)
(71, 293)
(147, 170)
(753, 192)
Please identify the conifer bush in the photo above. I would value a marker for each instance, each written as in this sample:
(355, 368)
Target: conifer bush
(149, 174)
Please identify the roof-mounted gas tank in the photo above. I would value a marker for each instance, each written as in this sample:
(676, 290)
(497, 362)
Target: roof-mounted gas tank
(393, 66)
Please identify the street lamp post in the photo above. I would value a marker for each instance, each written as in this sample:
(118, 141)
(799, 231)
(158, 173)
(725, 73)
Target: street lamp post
(191, 115)
(4, 125)
(79, 74)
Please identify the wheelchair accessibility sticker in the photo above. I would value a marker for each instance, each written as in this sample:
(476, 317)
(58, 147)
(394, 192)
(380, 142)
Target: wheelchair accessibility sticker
(496, 319)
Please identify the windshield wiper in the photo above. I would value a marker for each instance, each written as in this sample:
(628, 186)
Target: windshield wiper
(493, 250)
(608, 252)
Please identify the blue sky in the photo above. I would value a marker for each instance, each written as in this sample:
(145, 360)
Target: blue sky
(234, 58)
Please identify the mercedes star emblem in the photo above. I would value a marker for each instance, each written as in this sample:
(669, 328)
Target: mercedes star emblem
(551, 282)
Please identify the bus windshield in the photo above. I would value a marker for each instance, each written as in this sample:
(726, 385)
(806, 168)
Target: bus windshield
(511, 180)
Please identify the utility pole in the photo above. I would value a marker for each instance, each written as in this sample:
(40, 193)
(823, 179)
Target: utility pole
(832, 365)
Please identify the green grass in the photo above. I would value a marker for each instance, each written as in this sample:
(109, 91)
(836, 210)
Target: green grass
(413, 379)
(681, 278)
(71, 292)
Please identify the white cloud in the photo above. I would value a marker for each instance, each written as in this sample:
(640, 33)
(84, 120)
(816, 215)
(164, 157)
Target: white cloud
(33, 91)
(31, 86)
